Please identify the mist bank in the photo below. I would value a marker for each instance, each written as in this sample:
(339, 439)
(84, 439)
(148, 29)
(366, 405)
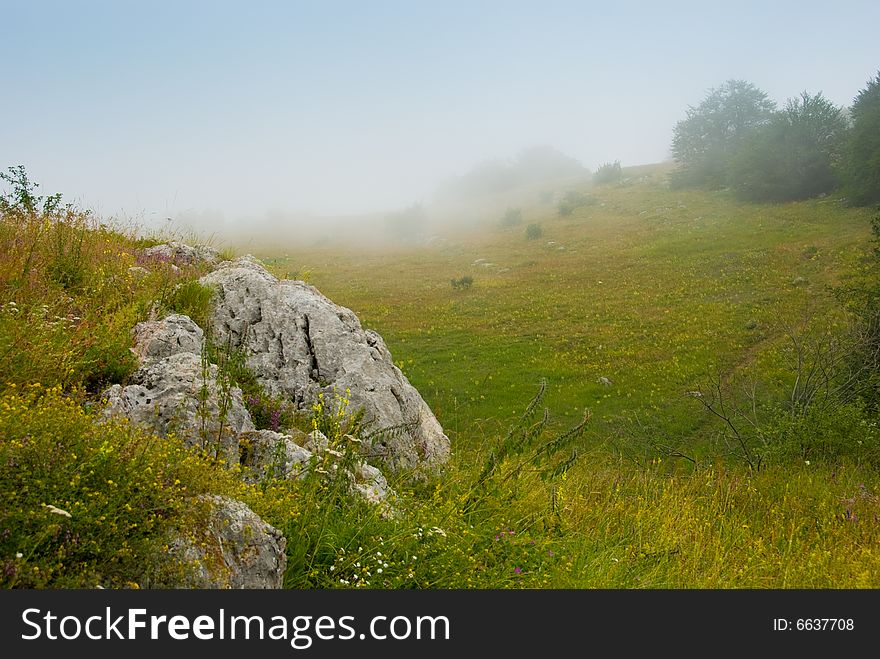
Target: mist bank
(535, 179)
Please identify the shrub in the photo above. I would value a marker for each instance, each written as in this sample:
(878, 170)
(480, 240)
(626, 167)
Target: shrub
(574, 199)
(534, 231)
(608, 173)
(827, 433)
(512, 217)
(87, 503)
(463, 283)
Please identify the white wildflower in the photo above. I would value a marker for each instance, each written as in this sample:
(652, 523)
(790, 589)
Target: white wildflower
(56, 511)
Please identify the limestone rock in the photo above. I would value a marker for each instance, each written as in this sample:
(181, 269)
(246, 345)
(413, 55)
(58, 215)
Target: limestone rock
(266, 453)
(156, 339)
(179, 254)
(298, 343)
(237, 549)
(180, 394)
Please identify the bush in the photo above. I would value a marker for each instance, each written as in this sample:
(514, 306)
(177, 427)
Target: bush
(574, 199)
(463, 283)
(829, 433)
(512, 217)
(87, 503)
(534, 231)
(608, 173)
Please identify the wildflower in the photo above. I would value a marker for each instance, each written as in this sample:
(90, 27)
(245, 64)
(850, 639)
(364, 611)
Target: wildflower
(18, 554)
(378, 571)
(56, 511)
(517, 570)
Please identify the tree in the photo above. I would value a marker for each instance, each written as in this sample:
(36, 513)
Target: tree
(862, 165)
(794, 156)
(704, 141)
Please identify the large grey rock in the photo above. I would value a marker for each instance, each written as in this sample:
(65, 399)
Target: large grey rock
(180, 394)
(236, 549)
(298, 343)
(179, 254)
(156, 339)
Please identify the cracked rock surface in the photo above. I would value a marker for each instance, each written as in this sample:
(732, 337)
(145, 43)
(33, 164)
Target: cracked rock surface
(299, 344)
(236, 549)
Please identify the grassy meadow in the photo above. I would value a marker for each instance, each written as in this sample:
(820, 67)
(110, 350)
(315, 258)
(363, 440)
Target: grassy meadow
(651, 288)
(662, 292)
(622, 307)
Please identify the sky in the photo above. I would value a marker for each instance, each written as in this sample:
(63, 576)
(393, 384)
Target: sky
(150, 110)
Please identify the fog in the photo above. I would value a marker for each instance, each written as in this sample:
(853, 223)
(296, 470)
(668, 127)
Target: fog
(307, 120)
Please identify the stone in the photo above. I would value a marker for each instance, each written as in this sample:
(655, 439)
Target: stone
(299, 344)
(181, 395)
(179, 254)
(236, 549)
(270, 454)
(156, 339)
(267, 454)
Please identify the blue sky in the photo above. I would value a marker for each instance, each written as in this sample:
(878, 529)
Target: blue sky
(152, 109)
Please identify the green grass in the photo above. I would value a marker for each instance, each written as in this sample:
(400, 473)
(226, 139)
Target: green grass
(656, 290)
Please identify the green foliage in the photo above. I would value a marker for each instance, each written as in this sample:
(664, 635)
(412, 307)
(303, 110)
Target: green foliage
(704, 141)
(88, 503)
(534, 231)
(862, 164)
(608, 172)
(189, 298)
(574, 199)
(22, 198)
(512, 217)
(468, 528)
(830, 433)
(794, 156)
(861, 296)
(462, 283)
(268, 412)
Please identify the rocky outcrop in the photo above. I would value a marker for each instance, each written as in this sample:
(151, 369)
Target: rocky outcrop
(156, 339)
(268, 454)
(236, 549)
(182, 395)
(179, 254)
(299, 344)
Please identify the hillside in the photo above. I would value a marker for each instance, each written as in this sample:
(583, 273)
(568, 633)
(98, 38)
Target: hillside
(627, 306)
(651, 288)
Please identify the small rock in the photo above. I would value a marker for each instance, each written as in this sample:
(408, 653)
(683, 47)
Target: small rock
(155, 339)
(237, 549)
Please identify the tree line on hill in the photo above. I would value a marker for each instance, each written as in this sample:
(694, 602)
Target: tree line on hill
(738, 138)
